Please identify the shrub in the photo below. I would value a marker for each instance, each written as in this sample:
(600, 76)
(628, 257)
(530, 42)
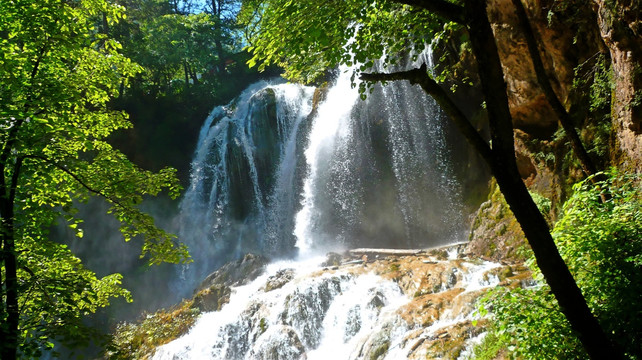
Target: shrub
(601, 243)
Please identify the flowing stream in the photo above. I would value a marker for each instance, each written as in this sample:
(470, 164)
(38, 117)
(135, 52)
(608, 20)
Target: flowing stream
(320, 313)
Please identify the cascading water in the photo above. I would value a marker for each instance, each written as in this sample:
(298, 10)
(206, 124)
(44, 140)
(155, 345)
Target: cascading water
(298, 310)
(287, 169)
(376, 171)
(242, 193)
(276, 175)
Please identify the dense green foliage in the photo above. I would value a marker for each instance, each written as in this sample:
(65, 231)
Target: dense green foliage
(191, 60)
(308, 37)
(602, 245)
(58, 73)
(178, 48)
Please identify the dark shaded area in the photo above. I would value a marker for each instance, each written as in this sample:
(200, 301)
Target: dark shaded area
(166, 125)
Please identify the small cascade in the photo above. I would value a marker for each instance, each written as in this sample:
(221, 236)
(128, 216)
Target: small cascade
(308, 312)
(300, 310)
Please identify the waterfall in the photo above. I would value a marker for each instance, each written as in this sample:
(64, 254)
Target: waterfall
(243, 179)
(286, 169)
(378, 172)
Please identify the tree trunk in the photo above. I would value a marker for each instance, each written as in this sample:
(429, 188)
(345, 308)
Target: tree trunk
(217, 9)
(562, 115)
(186, 74)
(504, 168)
(9, 329)
(8, 187)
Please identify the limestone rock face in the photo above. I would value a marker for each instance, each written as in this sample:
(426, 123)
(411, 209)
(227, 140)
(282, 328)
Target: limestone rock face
(620, 24)
(561, 48)
(277, 281)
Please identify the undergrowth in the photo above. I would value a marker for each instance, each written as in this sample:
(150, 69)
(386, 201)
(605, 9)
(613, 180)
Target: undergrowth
(601, 243)
(139, 340)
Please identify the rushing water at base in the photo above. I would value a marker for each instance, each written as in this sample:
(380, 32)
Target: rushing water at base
(319, 313)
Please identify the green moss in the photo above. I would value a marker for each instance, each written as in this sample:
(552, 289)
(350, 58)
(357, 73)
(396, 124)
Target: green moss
(138, 340)
(263, 325)
(380, 351)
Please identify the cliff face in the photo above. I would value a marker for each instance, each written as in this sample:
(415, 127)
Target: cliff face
(580, 46)
(571, 35)
(620, 24)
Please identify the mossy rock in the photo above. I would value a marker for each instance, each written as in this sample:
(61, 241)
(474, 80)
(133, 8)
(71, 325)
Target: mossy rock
(496, 235)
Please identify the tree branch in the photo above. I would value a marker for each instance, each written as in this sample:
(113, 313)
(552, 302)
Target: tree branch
(429, 85)
(442, 8)
(79, 180)
(563, 116)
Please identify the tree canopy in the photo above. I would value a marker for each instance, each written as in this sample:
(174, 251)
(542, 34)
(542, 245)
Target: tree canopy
(307, 37)
(58, 72)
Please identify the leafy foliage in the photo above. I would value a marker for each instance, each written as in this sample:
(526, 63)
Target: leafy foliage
(602, 245)
(191, 60)
(58, 75)
(177, 49)
(307, 37)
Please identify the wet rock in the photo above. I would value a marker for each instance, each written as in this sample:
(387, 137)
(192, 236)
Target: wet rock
(281, 343)
(278, 280)
(212, 298)
(332, 259)
(305, 309)
(377, 345)
(236, 273)
(215, 290)
(495, 234)
(353, 323)
(377, 301)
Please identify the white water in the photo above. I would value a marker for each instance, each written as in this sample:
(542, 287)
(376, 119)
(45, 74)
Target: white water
(306, 316)
(275, 176)
(331, 127)
(270, 177)
(320, 314)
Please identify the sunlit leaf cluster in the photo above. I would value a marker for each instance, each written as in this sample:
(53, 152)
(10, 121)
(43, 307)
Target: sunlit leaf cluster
(308, 37)
(59, 72)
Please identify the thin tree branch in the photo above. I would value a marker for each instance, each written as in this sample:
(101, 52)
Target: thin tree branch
(430, 86)
(36, 283)
(563, 116)
(442, 8)
(78, 180)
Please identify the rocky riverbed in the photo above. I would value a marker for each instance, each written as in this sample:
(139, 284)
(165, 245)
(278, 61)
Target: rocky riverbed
(361, 304)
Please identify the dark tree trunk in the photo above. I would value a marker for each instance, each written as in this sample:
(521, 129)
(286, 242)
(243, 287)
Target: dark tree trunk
(186, 74)
(8, 188)
(217, 9)
(501, 160)
(563, 116)
(9, 329)
(504, 168)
